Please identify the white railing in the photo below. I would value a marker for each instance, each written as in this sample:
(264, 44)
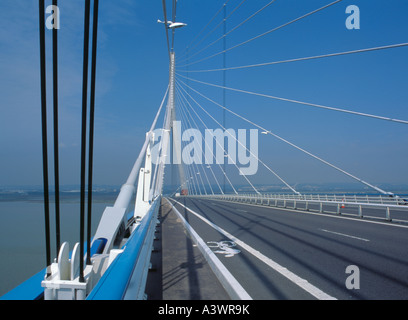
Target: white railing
(322, 201)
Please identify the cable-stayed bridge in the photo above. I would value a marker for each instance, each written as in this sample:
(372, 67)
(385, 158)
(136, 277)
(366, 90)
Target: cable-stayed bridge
(218, 234)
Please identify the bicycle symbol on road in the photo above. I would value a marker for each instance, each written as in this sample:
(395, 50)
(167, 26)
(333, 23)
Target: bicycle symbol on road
(225, 247)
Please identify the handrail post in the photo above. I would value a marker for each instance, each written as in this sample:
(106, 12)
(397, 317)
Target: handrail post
(387, 214)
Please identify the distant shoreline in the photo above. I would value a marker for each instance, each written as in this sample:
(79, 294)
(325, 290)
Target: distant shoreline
(103, 193)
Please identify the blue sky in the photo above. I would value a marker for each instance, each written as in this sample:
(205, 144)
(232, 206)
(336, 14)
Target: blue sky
(132, 76)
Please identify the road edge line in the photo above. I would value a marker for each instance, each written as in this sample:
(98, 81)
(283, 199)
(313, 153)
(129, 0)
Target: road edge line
(228, 281)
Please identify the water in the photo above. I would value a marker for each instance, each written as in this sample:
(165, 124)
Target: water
(22, 235)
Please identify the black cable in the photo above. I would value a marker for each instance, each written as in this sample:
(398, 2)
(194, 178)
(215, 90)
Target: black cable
(91, 126)
(56, 156)
(173, 20)
(165, 25)
(44, 134)
(83, 138)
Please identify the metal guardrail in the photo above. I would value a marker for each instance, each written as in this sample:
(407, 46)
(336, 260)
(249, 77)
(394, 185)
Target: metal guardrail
(292, 201)
(130, 268)
(373, 199)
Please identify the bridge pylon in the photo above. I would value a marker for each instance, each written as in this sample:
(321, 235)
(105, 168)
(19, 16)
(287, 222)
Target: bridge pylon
(176, 127)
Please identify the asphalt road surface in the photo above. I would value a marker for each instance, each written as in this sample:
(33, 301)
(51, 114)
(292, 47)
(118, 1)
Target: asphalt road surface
(277, 253)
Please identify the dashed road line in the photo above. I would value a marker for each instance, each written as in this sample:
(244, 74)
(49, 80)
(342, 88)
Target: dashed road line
(344, 235)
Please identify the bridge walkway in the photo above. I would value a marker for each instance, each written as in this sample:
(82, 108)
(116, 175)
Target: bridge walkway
(179, 270)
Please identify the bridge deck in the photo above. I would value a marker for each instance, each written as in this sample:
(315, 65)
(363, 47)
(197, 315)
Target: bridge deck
(280, 253)
(179, 270)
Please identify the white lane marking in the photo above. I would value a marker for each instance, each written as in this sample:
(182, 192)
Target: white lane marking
(230, 283)
(344, 235)
(240, 210)
(302, 283)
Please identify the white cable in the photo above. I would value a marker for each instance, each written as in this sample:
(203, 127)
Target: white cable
(192, 175)
(301, 102)
(233, 29)
(295, 146)
(273, 172)
(195, 188)
(195, 123)
(224, 173)
(131, 180)
(188, 47)
(224, 152)
(303, 59)
(209, 33)
(194, 165)
(188, 121)
(156, 169)
(265, 33)
(196, 170)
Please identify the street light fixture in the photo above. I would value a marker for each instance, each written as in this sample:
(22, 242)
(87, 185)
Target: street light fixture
(173, 25)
